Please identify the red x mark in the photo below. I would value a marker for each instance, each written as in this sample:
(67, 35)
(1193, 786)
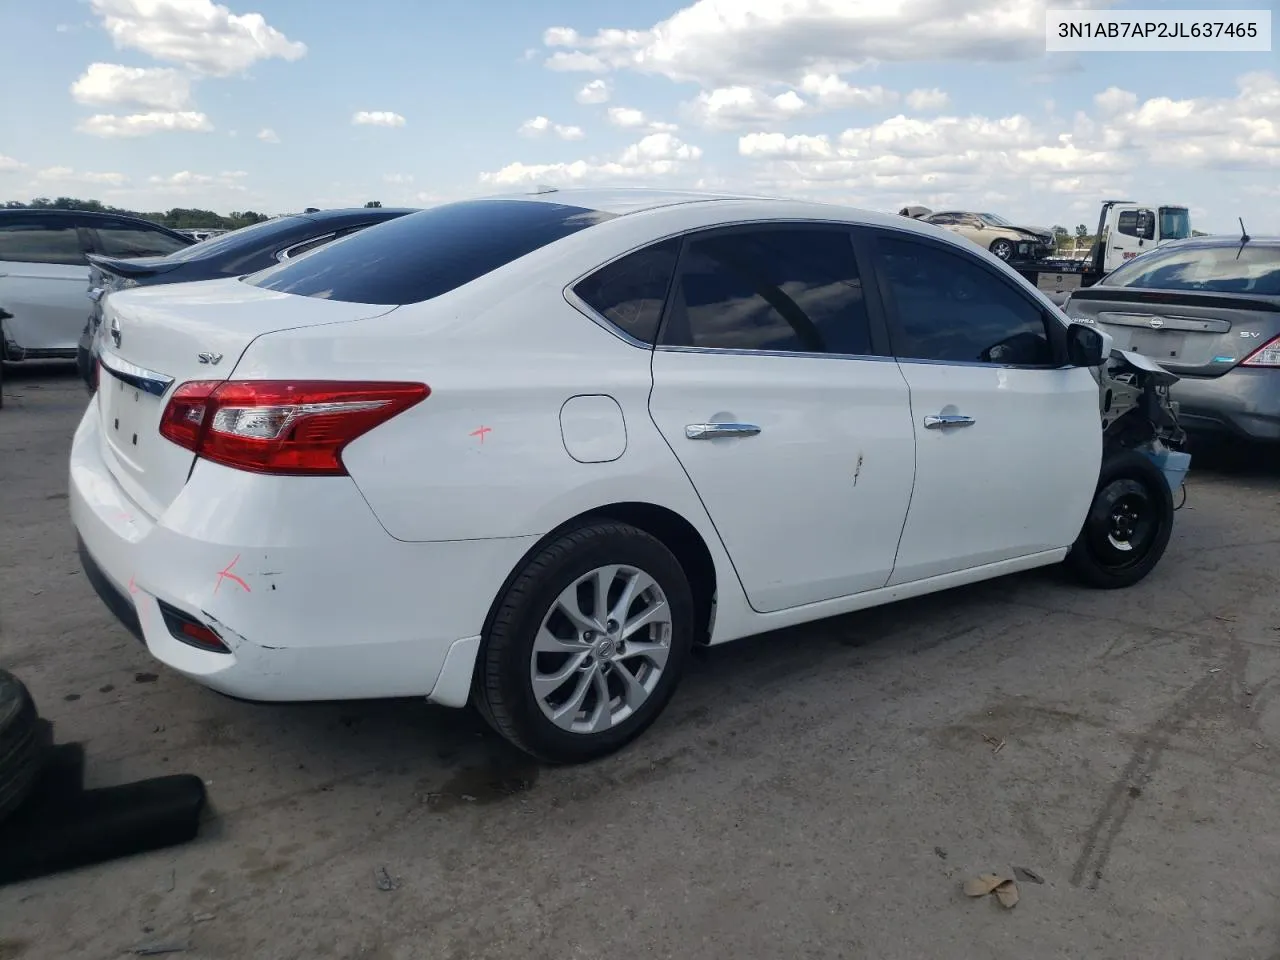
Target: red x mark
(226, 574)
(481, 432)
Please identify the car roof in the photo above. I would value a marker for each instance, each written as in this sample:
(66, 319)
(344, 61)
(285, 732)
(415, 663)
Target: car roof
(623, 200)
(339, 213)
(78, 214)
(1221, 240)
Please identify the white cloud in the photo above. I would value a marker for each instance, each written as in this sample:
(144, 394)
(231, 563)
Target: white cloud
(725, 108)
(597, 91)
(656, 155)
(539, 126)
(1013, 160)
(143, 124)
(267, 135)
(829, 92)
(185, 181)
(10, 165)
(104, 84)
(927, 101)
(719, 43)
(203, 36)
(66, 175)
(740, 105)
(633, 119)
(378, 118)
(397, 178)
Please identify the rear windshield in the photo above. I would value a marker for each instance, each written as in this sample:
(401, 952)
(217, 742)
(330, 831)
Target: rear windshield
(1225, 269)
(256, 233)
(426, 254)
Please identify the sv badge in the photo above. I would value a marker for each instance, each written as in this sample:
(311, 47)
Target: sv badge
(213, 359)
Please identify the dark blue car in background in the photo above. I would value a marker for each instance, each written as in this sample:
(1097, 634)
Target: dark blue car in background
(234, 254)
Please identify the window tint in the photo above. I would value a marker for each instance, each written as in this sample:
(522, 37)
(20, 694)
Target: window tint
(1219, 269)
(429, 253)
(630, 292)
(36, 242)
(1137, 223)
(952, 309)
(773, 289)
(133, 240)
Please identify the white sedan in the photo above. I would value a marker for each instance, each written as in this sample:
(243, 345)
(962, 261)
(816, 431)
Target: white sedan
(525, 452)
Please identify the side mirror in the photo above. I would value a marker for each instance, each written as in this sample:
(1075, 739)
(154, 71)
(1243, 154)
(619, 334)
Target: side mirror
(1087, 346)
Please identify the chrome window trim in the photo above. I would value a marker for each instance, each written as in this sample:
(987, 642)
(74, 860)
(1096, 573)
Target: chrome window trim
(143, 379)
(287, 252)
(571, 297)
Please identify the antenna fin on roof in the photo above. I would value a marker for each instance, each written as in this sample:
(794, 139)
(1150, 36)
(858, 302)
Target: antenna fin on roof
(543, 188)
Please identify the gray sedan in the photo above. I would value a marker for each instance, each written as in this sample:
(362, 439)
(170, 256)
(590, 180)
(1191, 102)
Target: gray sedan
(1208, 310)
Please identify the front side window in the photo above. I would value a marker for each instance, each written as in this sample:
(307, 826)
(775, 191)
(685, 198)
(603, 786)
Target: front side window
(36, 241)
(1136, 223)
(993, 220)
(630, 292)
(951, 309)
(774, 289)
(128, 240)
(1230, 268)
(426, 254)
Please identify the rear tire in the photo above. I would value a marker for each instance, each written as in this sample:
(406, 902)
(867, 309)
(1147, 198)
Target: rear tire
(1128, 525)
(568, 679)
(22, 744)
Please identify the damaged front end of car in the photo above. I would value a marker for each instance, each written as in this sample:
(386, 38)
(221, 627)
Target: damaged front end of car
(1139, 414)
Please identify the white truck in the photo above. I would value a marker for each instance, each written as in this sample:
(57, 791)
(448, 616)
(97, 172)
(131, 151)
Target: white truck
(1125, 230)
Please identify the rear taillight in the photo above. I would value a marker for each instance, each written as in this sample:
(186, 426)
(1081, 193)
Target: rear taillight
(287, 427)
(1267, 355)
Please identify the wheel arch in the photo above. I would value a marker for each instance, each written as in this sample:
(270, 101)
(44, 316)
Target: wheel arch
(676, 533)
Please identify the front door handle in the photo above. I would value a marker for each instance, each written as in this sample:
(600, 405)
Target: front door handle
(713, 431)
(945, 420)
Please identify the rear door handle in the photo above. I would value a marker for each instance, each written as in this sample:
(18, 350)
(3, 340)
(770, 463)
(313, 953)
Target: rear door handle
(945, 420)
(713, 431)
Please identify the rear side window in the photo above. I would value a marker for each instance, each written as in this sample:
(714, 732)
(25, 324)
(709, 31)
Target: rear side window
(1225, 269)
(34, 241)
(771, 289)
(129, 240)
(630, 292)
(426, 254)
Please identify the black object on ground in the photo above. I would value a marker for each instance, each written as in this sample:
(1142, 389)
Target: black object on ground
(54, 824)
(23, 742)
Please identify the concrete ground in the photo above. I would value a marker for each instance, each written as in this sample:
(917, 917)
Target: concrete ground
(818, 793)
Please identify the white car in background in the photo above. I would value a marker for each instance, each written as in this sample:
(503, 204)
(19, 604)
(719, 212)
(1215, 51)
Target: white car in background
(44, 272)
(525, 452)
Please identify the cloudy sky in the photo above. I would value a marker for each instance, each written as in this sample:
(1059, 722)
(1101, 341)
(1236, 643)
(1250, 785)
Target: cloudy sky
(275, 105)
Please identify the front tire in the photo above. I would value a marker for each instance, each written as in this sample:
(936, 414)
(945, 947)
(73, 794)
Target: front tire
(1002, 248)
(1128, 525)
(587, 645)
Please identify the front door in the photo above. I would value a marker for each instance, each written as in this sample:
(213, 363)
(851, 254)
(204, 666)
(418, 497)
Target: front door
(44, 277)
(1133, 233)
(1008, 441)
(772, 387)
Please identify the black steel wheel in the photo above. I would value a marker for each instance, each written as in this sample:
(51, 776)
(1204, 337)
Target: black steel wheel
(1128, 525)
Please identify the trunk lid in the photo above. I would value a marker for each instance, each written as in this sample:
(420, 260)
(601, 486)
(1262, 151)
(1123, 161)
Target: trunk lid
(156, 338)
(1190, 333)
(132, 269)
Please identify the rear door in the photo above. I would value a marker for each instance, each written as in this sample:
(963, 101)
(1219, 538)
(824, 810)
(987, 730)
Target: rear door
(772, 386)
(43, 276)
(1008, 442)
(1196, 310)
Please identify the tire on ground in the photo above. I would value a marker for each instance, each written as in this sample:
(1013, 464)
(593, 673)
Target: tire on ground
(22, 745)
(1093, 559)
(502, 686)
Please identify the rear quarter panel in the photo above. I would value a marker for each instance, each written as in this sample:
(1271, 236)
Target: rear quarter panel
(484, 455)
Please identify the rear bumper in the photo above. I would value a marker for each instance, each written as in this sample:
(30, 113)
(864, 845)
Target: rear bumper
(1243, 403)
(312, 598)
